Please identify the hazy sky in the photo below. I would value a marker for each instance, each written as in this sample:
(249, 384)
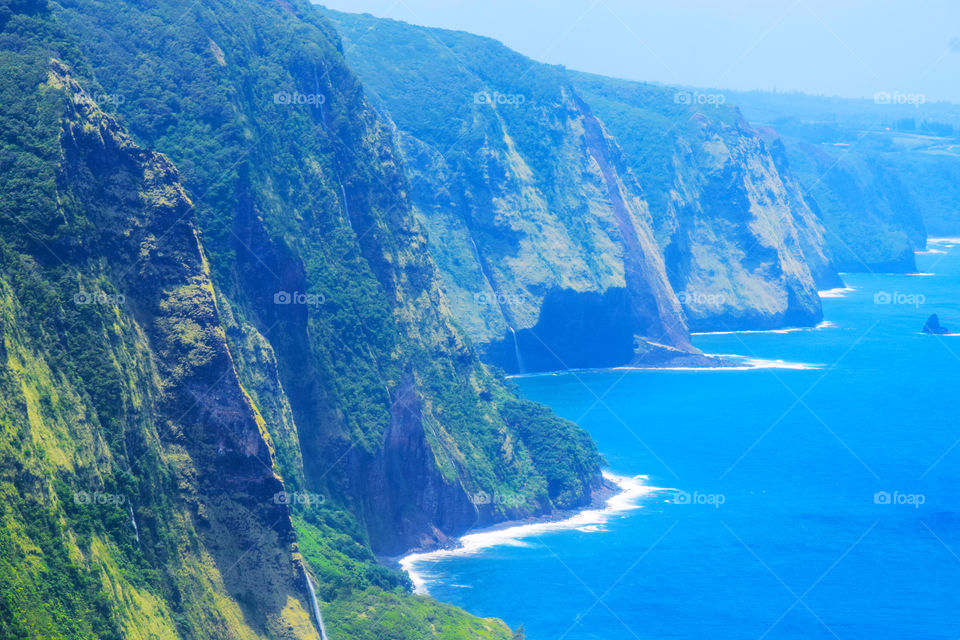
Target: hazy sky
(851, 48)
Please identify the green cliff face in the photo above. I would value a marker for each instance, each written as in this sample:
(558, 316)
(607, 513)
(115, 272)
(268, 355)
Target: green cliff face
(251, 358)
(239, 304)
(138, 477)
(873, 220)
(542, 236)
(883, 172)
(742, 246)
(562, 208)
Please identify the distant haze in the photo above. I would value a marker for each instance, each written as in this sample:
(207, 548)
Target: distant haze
(848, 48)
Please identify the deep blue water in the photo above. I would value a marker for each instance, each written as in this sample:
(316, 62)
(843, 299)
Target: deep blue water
(800, 548)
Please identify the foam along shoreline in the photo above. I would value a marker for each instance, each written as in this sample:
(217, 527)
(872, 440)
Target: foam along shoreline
(741, 363)
(631, 490)
(942, 245)
(826, 324)
(744, 363)
(763, 363)
(838, 292)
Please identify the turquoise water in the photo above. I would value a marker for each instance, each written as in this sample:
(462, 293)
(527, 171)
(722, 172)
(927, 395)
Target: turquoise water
(785, 535)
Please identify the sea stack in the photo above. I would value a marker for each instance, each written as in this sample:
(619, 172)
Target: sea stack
(933, 326)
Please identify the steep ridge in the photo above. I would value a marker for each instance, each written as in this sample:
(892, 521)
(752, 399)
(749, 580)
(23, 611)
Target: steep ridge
(541, 234)
(743, 247)
(874, 221)
(356, 321)
(117, 387)
(304, 398)
(884, 172)
(513, 197)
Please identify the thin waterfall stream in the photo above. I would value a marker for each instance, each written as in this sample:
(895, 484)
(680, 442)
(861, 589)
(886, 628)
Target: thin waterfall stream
(316, 607)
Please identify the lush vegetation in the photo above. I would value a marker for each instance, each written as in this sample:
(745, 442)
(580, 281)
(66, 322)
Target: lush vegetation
(375, 615)
(741, 243)
(128, 393)
(530, 213)
(884, 172)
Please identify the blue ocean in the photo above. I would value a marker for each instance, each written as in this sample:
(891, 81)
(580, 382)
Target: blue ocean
(815, 496)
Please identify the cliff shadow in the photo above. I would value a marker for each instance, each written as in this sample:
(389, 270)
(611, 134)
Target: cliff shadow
(575, 330)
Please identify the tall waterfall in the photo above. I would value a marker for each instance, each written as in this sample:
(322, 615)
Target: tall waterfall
(346, 207)
(133, 521)
(316, 607)
(516, 350)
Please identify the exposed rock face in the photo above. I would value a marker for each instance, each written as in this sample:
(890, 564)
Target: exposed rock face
(874, 222)
(158, 422)
(933, 326)
(541, 233)
(812, 234)
(406, 503)
(523, 230)
(742, 247)
(317, 255)
(285, 257)
(881, 175)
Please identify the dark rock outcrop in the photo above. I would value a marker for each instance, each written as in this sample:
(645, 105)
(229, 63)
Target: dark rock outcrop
(933, 326)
